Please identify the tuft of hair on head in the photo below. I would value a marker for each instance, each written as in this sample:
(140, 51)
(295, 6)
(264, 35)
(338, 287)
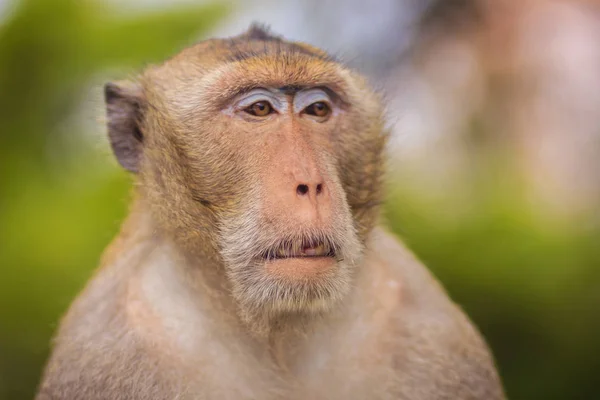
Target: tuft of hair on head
(260, 31)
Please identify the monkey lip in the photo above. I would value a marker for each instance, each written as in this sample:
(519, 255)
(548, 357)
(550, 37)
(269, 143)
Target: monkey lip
(301, 249)
(301, 259)
(306, 269)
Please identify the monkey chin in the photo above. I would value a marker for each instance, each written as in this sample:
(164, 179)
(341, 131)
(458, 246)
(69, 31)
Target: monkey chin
(289, 290)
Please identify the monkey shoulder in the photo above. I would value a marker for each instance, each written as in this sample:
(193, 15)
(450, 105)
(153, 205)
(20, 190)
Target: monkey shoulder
(437, 351)
(96, 353)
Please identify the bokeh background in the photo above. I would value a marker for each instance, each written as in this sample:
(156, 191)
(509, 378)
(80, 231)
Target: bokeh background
(494, 174)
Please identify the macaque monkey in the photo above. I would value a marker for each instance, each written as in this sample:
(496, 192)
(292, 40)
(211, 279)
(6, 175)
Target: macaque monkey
(253, 264)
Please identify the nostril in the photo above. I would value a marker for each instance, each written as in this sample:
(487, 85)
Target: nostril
(319, 188)
(302, 189)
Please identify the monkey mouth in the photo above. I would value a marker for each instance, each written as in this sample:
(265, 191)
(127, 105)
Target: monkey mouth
(301, 249)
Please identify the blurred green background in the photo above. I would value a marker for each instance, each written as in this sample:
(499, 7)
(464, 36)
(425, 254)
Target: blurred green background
(527, 276)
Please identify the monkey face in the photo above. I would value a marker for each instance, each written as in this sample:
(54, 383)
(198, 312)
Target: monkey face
(294, 247)
(269, 156)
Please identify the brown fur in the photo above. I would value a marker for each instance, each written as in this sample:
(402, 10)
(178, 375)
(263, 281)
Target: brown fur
(183, 308)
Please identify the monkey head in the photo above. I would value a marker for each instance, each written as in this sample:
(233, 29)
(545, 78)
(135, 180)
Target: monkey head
(261, 154)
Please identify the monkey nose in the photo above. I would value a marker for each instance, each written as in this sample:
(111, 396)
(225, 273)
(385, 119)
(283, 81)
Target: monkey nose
(304, 189)
(312, 203)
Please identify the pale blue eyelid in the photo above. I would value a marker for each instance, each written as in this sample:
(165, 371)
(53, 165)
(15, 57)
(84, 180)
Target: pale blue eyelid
(260, 95)
(305, 98)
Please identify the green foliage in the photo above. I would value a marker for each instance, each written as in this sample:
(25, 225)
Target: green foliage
(61, 200)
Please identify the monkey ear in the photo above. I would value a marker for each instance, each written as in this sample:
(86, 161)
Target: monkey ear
(124, 103)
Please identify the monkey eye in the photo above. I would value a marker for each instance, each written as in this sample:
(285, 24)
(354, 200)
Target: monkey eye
(318, 109)
(259, 109)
